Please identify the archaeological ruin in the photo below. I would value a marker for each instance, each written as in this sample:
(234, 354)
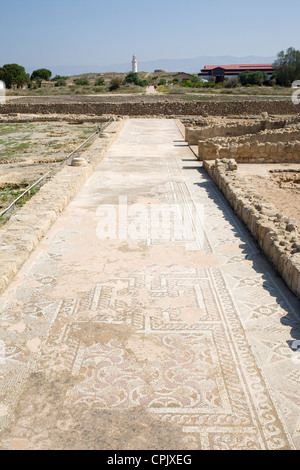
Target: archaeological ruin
(149, 274)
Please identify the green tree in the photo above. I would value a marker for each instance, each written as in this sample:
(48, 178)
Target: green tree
(249, 77)
(287, 67)
(14, 75)
(41, 74)
(58, 77)
(133, 77)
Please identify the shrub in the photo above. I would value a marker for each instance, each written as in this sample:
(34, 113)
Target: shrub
(58, 77)
(163, 89)
(194, 78)
(143, 83)
(60, 83)
(134, 78)
(115, 84)
(81, 82)
(198, 84)
(187, 83)
(193, 83)
(231, 83)
(253, 78)
(100, 82)
(210, 84)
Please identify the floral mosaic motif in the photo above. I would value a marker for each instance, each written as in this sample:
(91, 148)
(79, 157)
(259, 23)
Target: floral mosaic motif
(184, 379)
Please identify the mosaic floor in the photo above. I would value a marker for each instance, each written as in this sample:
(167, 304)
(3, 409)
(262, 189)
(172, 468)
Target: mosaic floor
(153, 337)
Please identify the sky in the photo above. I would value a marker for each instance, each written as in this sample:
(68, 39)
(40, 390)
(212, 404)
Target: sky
(43, 33)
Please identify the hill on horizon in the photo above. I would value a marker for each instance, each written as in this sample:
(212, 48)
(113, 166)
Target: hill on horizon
(171, 65)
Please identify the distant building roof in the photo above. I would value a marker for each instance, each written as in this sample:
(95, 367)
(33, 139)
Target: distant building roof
(182, 74)
(235, 69)
(240, 67)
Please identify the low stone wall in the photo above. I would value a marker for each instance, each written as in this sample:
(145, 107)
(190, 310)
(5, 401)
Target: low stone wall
(192, 136)
(161, 108)
(29, 224)
(277, 235)
(70, 118)
(233, 129)
(268, 146)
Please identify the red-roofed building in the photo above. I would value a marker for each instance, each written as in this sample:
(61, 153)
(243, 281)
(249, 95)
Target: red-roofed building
(219, 72)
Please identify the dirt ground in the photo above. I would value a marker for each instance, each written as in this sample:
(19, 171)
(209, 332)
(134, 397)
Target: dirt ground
(138, 97)
(278, 183)
(28, 150)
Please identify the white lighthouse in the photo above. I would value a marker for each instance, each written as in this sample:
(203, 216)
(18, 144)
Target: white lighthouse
(2, 92)
(134, 65)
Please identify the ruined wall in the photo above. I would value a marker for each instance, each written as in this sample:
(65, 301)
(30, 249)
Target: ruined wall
(165, 108)
(281, 145)
(277, 235)
(192, 136)
(234, 129)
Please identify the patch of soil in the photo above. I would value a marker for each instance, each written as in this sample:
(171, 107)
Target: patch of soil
(281, 189)
(29, 150)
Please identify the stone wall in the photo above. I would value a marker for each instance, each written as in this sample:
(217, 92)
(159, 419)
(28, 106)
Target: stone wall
(29, 224)
(234, 129)
(281, 145)
(163, 108)
(70, 118)
(277, 235)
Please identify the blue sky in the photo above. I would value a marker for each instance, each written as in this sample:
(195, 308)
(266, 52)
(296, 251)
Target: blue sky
(67, 32)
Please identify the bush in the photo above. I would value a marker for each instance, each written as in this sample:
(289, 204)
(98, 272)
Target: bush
(193, 83)
(198, 84)
(100, 82)
(115, 84)
(187, 83)
(58, 77)
(143, 83)
(231, 83)
(210, 84)
(81, 82)
(134, 78)
(60, 83)
(163, 89)
(162, 81)
(253, 78)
